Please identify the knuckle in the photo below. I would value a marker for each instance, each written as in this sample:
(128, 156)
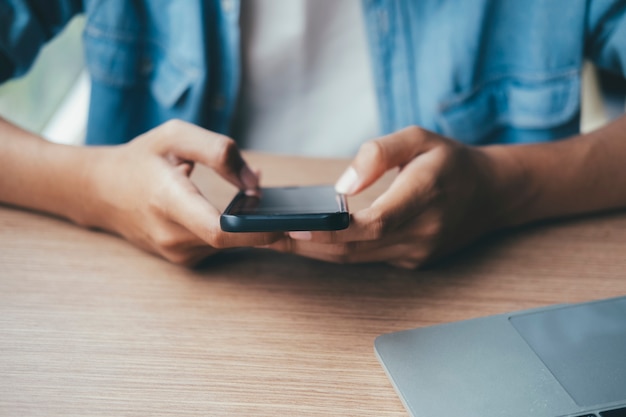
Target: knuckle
(172, 125)
(166, 240)
(432, 190)
(452, 153)
(341, 259)
(180, 258)
(342, 250)
(160, 136)
(414, 131)
(378, 228)
(410, 261)
(287, 245)
(377, 225)
(416, 134)
(218, 240)
(432, 228)
(373, 151)
(160, 211)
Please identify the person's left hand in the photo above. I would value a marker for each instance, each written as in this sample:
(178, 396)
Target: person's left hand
(441, 200)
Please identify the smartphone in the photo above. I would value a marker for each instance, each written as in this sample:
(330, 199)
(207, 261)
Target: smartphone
(286, 209)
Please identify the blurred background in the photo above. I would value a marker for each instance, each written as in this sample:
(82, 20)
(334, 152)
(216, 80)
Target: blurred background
(53, 98)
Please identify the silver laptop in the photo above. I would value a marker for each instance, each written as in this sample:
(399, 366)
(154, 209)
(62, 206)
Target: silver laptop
(561, 361)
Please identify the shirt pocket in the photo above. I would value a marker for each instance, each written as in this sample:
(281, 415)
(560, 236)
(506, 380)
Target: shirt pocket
(123, 61)
(525, 102)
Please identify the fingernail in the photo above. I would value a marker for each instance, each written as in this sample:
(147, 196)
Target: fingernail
(347, 182)
(300, 235)
(250, 181)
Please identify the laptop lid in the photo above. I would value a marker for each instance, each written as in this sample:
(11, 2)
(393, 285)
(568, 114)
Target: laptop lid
(553, 362)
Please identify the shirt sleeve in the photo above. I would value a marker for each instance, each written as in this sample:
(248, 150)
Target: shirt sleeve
(606, 34)
(25, 26)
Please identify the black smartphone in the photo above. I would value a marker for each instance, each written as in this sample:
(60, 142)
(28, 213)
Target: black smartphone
(286, 209)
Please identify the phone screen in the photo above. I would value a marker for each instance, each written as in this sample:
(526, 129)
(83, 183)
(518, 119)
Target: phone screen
(288, 200)
(287, 208)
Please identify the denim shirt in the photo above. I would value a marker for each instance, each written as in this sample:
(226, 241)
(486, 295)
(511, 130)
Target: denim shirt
(479, 71)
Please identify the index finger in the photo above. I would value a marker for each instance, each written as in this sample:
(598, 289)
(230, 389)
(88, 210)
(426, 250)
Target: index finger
(218, 152)
(376, 157)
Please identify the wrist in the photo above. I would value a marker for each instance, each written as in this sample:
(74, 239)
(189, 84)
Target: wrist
(90, 174)
(67, 183)
(38, 174)
(510, 187)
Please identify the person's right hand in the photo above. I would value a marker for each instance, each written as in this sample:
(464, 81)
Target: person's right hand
(141, 190)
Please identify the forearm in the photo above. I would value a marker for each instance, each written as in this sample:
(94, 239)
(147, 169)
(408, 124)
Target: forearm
(583, 174)
(43, 176)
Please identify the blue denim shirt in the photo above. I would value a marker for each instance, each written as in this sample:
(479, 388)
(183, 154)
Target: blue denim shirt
(479, 71)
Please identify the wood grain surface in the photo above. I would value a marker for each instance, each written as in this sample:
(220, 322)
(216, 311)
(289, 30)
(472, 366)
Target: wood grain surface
(91, 326)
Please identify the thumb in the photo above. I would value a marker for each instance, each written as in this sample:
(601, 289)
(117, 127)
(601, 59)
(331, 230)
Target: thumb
(376, 157)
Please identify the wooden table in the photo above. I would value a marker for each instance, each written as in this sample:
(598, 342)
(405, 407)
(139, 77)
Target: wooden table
(89, 325)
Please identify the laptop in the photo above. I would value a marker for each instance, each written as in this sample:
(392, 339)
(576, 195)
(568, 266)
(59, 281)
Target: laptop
(559, 361)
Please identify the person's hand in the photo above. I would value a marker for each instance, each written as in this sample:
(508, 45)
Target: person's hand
(440, 201)
(142, 191)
